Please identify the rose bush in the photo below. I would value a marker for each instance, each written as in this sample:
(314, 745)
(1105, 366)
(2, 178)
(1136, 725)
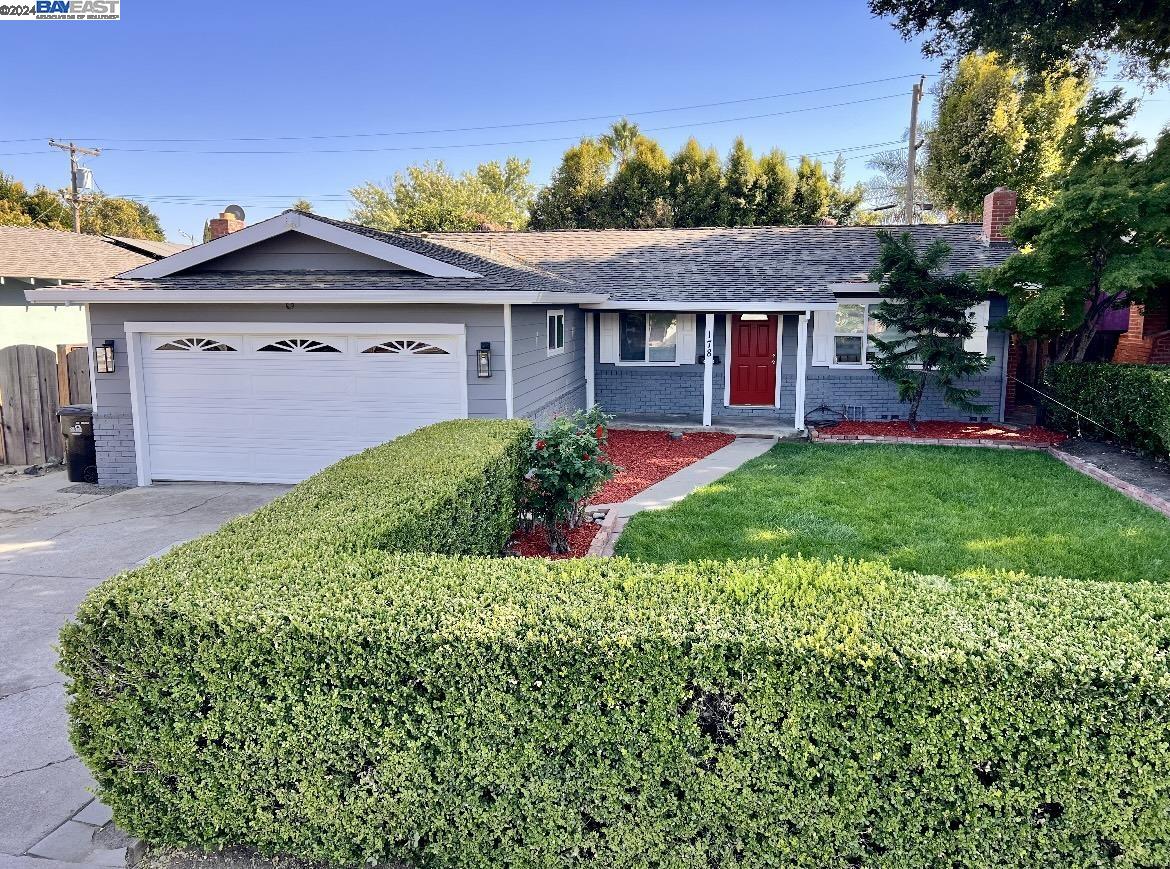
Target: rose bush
(567, 465)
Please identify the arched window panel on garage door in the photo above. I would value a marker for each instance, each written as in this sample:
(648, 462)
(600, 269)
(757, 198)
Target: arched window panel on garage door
(196, 345)
(298, 345)
(411, 346)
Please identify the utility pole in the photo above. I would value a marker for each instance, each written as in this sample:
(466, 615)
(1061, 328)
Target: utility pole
(74, 194)
(912, 151)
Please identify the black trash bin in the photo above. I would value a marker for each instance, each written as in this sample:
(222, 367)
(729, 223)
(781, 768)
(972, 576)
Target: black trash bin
(80, 455)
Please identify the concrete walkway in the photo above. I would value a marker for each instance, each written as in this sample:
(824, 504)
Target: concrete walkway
(57, 541)
(702, 473)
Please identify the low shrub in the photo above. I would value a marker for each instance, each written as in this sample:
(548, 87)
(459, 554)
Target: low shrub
(1131, 400)
(373, 706)
(566, 466)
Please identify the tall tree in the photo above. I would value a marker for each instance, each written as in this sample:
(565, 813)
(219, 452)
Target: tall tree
(42, 208)
(1040, 36)
(638, 195)
(696, 186)
(1101, 243)
(924, 324)
(741, 186)
(429, 198)
(622, 141)
(110, 215)
(775, 190)
(813, 197)
(575, 197)
(995, 127)
(887, 189)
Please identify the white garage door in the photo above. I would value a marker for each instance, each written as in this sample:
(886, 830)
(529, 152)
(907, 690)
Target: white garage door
(278, 407)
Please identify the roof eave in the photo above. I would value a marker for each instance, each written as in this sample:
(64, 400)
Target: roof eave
(78, 296)
(712, 305)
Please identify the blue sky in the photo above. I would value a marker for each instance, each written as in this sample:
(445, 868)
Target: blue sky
(221, 72)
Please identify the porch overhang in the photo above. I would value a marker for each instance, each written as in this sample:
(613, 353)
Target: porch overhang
(714, 307)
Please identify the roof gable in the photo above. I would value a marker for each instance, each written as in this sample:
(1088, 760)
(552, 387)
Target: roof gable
(337, 235)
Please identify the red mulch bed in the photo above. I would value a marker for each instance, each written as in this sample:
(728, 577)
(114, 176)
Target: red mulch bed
(534, 544)
(963, 431)
(644, 458)
(648, 457)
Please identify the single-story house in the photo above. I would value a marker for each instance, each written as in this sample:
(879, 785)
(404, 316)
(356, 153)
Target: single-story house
(31, 258)
(273, 350)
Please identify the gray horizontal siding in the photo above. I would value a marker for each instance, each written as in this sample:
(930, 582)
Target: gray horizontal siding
(539, 380)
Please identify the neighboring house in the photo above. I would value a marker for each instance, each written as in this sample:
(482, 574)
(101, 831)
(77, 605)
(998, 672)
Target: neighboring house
(272, 350)
(1146, 338)
(34, 258)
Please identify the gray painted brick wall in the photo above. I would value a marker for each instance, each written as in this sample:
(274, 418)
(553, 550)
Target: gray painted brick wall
(114, 438)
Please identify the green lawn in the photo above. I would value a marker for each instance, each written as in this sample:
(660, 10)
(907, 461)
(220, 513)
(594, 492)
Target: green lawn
(937, 510)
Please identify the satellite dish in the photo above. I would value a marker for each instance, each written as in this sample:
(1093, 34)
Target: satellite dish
(235, 211)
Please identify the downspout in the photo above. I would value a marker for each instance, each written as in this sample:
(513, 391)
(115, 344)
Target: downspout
(509, 398)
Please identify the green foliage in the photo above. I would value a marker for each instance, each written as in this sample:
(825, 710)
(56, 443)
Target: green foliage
(1042, 36)
(951, 511)
(625, 181)
(1103, 241)
(428, 198)
(696, 186)
(303, 205)
(925, 316)
(566, 467)
(741, 186)
(410, 709)
(575, 198)
(100, 214)
(1132, 402)
(109, 215)
(994, 127)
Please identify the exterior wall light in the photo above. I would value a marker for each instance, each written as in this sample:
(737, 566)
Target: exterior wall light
(103, 356)
(483, 359)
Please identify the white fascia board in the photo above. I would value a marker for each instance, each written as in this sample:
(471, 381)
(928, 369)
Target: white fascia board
(239, 327)
(748, 307)
(306, 225)
(852, 287)
(242, 297)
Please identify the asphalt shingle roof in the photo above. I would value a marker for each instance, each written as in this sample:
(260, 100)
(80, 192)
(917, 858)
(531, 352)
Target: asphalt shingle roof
(28, 252)
(770, 263)
(782, 264)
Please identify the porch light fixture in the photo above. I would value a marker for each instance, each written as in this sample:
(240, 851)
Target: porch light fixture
(483, 359)
(103, 356)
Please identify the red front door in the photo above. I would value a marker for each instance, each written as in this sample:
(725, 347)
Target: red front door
(753, 360)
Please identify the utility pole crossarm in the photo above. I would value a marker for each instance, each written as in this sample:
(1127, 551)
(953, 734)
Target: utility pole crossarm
(74, 193)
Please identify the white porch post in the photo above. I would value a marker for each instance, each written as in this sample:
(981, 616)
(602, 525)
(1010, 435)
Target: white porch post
(708, 363)
(801, 367)
(589, 397)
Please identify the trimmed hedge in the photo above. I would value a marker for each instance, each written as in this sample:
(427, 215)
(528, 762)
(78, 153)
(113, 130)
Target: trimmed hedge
(1132, 400)
(467, 712)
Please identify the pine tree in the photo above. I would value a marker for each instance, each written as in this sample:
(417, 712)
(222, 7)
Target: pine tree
(925, 324)
(775, 190)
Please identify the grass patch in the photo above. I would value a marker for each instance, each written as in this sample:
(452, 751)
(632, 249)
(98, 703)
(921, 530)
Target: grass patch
(936, 510)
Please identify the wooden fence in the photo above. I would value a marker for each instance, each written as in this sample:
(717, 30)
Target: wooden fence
(34, 382)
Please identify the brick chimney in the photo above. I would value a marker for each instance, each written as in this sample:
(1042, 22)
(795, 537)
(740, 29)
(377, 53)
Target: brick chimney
(999, 209)
(224, 224)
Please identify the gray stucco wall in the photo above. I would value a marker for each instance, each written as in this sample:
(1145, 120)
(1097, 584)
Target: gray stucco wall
(113, 423)
(545, 385)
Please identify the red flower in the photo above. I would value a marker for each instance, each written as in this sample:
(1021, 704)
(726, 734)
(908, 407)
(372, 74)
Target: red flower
(600, 432)
(540, 445)
(586, 457)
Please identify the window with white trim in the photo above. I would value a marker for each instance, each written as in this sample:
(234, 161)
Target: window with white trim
(853, 329)
(648, 337)
(556, 332)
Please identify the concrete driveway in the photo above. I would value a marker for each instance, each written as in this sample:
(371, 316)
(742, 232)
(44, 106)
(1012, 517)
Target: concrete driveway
(57, 541)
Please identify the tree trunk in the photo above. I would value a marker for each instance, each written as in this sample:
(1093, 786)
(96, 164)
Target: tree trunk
(912, 416)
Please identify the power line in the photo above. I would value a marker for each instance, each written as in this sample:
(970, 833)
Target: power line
(512, 125)
(436, 147)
